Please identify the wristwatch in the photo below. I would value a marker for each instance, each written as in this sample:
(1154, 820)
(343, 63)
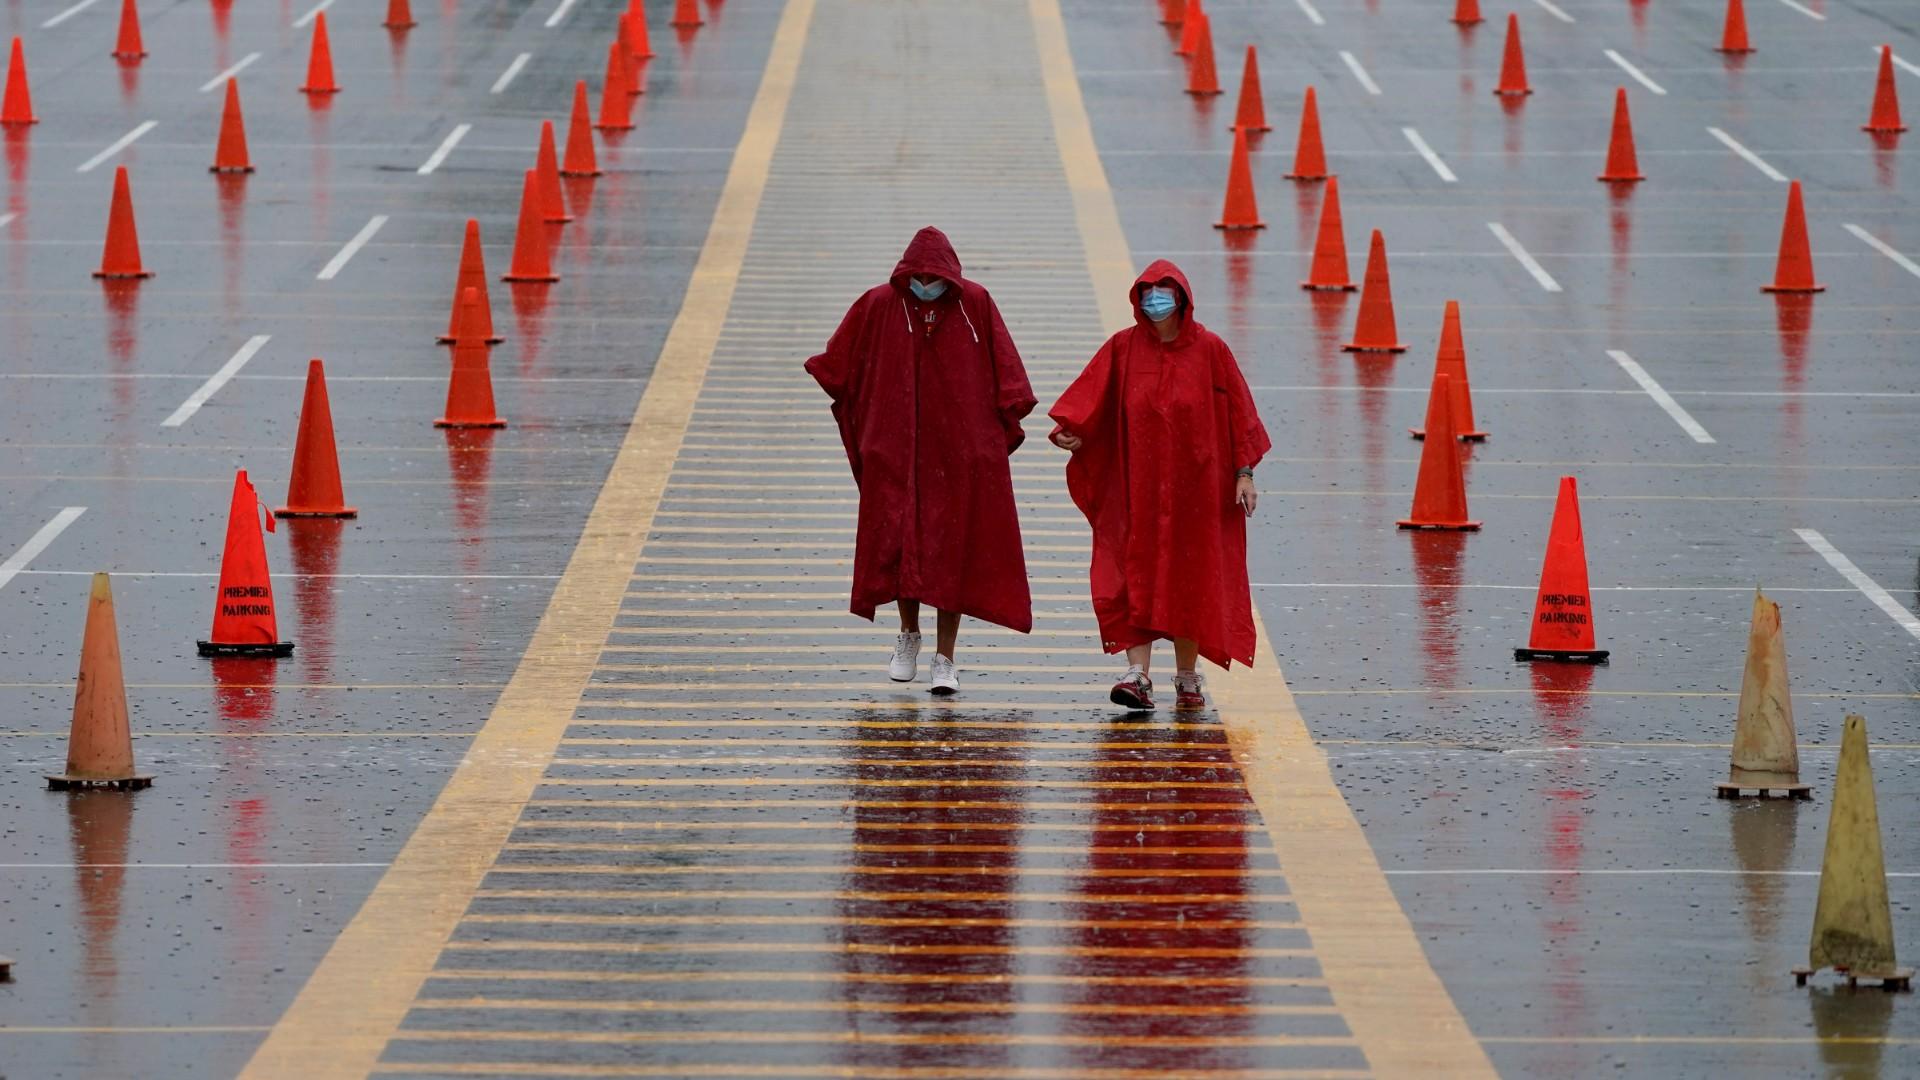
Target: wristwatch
(1247, 471)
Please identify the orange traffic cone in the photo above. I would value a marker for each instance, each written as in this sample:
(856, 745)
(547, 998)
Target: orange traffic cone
(1241, 210)
(1440, 492)
(1733, 38)
(230, 153)
(1886, 99)
(686, 14)
(1623, 166)
(637, 32)
(128, 46)
(1563, 610)
(320, 61)
(1374, 331)
(17, 108)
(1251, 117)
(100, 744)
(314, 489)
(399, 15)
(1329, 269)
(1467, 12)
(470, 387)
(1451, 361)
(623, 37)
(1309, 158)
(580, 160)
(1172, 12)
(121, 259)
(532, 255)
(243, 619)
(1513, 66)
(472, 275)
(1202, 79)
(1793, 272)
(616, 104)
(1190, 21)
(546, 169)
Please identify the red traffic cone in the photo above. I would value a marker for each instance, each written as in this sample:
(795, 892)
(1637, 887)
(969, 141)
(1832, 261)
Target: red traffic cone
(1374, 331)
(399, 15)
(17, 108)
(1733, 37)
(1563, 610)
(1793, 271)
(1513, 65)
(1623, 166)
(532, 254)
(320, 61)
(1251, 116)
(1172, 12)
(100, 743)
(1202, 79)
(1190, 21)
(1309, 158)
(1440, 492)
(623, 37)
(1451, 361)
(121, 258)
(580, 160)
(129, 46)
(546, 169)
(470, 386)
(314, 488)
(1240, 210)
(642, 49)
(616, 104)
(1467, 12)
(243, 619)
(472, 275)
(686, 14)
(1886, 99)
(230, 153)
(1328, 271)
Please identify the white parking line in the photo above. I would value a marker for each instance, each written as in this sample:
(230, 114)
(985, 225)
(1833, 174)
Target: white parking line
(1872, 590)
(339, 262)
(119, 144)
(559, 13)
(1539, 272)
(1752, 158)
(1660, 396)
(302, 21)
(1554, 10)
(219, 379)
(38, 543)
(1805, 10)
(7, 218)
(1313, 13)
(1420, 146)
(1908, 65)
(1881, 246)
(68, 14)
(1353, 65)
(220, 80)
(513, 69)
(446, 147)
(1638, 75)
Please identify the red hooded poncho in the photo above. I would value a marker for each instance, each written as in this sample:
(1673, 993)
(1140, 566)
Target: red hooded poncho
(1165, 426)
(929, 399)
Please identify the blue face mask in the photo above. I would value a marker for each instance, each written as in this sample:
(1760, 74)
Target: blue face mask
(927, 293)
(1158, 303)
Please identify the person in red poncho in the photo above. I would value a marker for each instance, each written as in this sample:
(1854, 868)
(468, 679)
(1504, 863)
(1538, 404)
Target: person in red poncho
(929, 393)
(1165, 438)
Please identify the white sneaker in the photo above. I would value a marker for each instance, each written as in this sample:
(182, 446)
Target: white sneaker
(946, 680)
(906, 658)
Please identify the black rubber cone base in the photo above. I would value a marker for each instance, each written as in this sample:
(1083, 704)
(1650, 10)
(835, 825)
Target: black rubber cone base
(221, 648)
(1569, 656)
(63, 782)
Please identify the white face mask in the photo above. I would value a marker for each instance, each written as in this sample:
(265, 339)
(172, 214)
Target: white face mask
(928, 293)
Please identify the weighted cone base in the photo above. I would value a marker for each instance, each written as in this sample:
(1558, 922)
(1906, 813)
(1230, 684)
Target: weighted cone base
(1471, 436)
(1440, 526)
(221, 648)
(1571, 656)
(1895, 980)
(1793, 288)
(228, 170)
(530, 279)
(447, 339)
(1512, 93)
(1730, 790)
(64, 782)
(443, 422)
(1373, 348)
(294, 512)
(1248, 227)
(1306, 178)
(132, 276)
(6, 969)
(1314, 287)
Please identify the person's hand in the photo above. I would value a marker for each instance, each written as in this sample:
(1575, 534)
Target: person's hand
(1067, 441)
(1245, 495)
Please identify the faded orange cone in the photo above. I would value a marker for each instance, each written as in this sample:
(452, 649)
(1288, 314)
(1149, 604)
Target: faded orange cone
(1440, 491)
(1513, 63)
(470, 386)
(320, 61)
(1374, 330)
(314, 489)
(244, 623)
(399, 15)
(1766, 752)
(1793, 272)
(1733, 36)
(1328, 271)
(1623, 166)
(616, 104)
(1563, 608)
(1241, 210)
(546, 169)
(129, 46)
(121, 257)
(1886, 99)
(17, 108)
(532, 257)
(581, 159)
(1451, 361)
(1251, 116)
(100, 743)
(1309, 158)
(472, 275)
(230, 154)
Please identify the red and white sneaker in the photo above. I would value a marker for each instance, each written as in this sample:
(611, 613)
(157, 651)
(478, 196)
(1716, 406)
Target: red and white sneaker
(1134, 691)
(1188, 692)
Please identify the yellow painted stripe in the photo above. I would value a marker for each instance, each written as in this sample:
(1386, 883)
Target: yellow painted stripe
(355, 1000)
(957, 723)
(882, 978)
(718, 847)
(873, 1038)
(859, 896)
(849, 869)
(1025, 806)
(893, 826)
(827, 761)
(901, 921)
(842, 1072)
(861, 948)
(956, 1008)
(940, 783)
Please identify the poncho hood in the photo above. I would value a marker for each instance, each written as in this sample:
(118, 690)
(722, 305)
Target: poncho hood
(1156, 272)
(929, 255)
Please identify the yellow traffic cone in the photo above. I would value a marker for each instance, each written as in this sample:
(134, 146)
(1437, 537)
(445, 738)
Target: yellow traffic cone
(1766, 756)
(1852, 922)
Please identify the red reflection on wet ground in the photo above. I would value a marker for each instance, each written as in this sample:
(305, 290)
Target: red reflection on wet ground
(320, 130)
(1240, 244)
(129, 80)
(1513, 107)
(1884, 158)
(99, 824)
(1620, 226)
(122, 301)
(1793, 319)
(1561, 700)
(470, 462)
(1373, 373)
(243, 694)
(685, 35)
(529, 320)
(1306, 214)
(314, 545)
(397, 49)
(231, 191)
(221, 10)
(1437, 572)
(1637, 12)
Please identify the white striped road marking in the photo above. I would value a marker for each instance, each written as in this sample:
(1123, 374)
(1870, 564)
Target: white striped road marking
(38, 543)
(119, 144)
(1805, 10)
(1554, 10)
(559, 13)
(1910, 67)
(1660, 396)
(302, 21)
(513, 69)
(1420, 146)
(339, 262)
(1871, 589)
(1539, 272)
(68, 14)
(221, 79)
(219, 379)
(1881, 246)
(446, 147)
(1353, 65)
(1753, 159)
(1312, 13)
(1638, 75)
